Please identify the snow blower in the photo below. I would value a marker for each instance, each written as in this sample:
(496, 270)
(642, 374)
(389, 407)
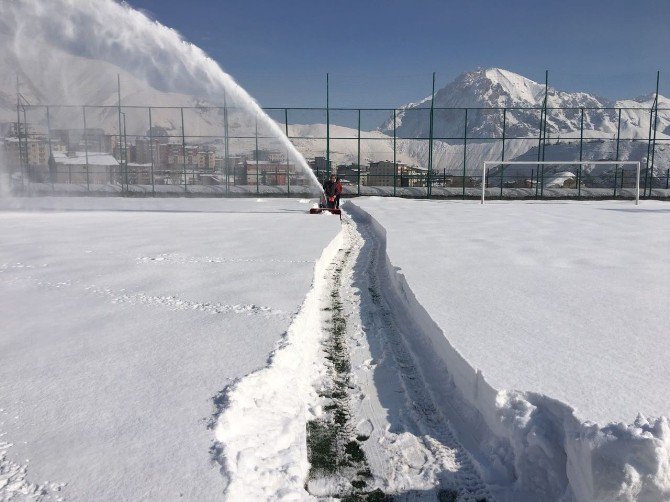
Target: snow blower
(323, 206)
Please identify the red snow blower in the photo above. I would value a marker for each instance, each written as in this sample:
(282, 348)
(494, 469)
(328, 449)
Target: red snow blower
(323, 206)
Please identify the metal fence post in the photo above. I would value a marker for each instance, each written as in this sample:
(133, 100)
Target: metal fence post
(183, 149)
(288, 175)
(581, 134)
(118, 89)
(51, 159)
(359, 151)
(18, 132)
(151, 153)
(465, 147)
(544, 126)
(579, 181)
(430, 140)
(327, 125)
(258, 188)
(616, 171)
(226, 146)
(618, 135)
(395, 158)
(125, 152)
(288, 165)
(502, 166)
(653, 144)
(88, 181)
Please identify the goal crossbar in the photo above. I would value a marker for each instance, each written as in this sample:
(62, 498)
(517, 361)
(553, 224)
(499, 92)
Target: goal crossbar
(563, 163)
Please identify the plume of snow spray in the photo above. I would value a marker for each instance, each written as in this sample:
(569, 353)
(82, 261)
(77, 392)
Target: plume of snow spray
(127, 38)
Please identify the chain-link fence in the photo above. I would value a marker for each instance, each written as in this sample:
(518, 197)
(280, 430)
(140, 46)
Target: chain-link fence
(420, 151)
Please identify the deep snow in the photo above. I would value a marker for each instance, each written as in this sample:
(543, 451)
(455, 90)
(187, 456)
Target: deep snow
(565, 299)
(122, 320)
(519, 312)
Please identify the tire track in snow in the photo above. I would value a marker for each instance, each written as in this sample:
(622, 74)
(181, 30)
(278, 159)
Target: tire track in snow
(412, 450)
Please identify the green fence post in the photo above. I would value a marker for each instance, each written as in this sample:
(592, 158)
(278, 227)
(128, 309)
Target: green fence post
(226, 145)
(502, 166)
(125, 152)
(359, 151)
(579, 181)
(151, 153)
(288, 175)
(288, 170)
(18, 131)
(616, 171)
(258, 187)
(395, 158)
(183, 149)
(327, 125)
(618, 135)
(88, 181)
(544, 123)
(51, 160)
(430, 139)
(653, 144)
(465, 147)
(118, 90)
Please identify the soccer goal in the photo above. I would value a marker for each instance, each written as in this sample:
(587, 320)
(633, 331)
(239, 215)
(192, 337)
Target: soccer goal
(540, 173)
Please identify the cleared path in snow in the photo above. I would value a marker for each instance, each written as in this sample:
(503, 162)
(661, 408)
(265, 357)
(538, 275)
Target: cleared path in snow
(411, 450)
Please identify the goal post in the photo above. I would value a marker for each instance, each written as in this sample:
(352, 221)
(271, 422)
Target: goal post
(538, 163)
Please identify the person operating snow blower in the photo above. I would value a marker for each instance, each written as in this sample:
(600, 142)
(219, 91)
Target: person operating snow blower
(331, 191)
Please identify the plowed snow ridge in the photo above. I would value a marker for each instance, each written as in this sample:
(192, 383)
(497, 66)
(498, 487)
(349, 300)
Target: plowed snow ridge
(412, 451)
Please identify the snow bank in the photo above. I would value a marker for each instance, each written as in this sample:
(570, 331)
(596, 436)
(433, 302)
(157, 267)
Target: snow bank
(261, 433)
(529, 446)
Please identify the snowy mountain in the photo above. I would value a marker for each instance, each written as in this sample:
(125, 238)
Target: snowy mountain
(497, 88)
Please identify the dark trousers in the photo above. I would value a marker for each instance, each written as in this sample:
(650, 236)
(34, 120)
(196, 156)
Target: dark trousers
(337, 201)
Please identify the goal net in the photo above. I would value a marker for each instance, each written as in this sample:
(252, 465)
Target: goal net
(587, 178)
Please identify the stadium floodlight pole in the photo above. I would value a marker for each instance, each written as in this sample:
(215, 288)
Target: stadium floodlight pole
(564, 163)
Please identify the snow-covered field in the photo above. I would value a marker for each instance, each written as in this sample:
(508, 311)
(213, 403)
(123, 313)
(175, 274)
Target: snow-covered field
(122, 322)
(551, 321)
(238, 349)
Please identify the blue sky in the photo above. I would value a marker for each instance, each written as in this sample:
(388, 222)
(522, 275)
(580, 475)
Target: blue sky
(383, 52)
